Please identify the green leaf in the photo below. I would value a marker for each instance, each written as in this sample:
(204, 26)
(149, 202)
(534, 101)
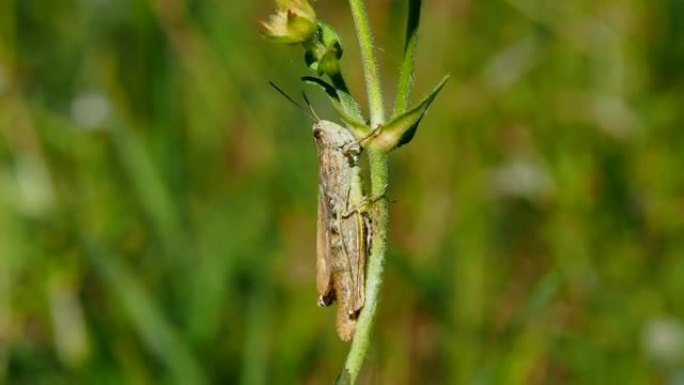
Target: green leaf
(408, 63)
(330, 39)
(156, 332)
(345, 105)
(402, 128)
(329, 64)
(323, 51)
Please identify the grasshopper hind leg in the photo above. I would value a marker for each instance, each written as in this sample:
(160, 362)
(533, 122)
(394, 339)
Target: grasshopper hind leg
(326, 299)
(346, 326)
(364, 239)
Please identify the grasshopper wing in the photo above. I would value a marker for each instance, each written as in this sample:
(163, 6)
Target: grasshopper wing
(323, 257)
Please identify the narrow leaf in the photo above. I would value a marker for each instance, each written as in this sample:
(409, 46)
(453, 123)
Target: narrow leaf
(409, 61)
(402, 128)
(153, 328)
(345, 105)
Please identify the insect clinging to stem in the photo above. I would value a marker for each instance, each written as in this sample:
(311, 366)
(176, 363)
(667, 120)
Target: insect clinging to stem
(344, 230)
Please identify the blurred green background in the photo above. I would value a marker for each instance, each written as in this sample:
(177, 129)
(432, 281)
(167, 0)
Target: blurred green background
(158, 199)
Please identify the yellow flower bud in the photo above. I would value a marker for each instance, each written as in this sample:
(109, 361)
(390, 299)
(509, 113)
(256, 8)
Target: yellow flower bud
(294, 22)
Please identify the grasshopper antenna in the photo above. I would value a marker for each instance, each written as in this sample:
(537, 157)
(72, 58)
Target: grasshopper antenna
(310, 107)
(311, 114)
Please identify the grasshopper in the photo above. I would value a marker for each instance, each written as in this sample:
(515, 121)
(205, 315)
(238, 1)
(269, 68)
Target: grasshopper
(344, 227)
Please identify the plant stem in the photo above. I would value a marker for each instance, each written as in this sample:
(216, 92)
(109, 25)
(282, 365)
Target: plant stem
(408, 63)
(379, 173)
(370, 66)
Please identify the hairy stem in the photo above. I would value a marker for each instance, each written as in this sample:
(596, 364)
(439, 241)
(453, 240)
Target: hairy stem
(379, 173)
(379, 179)
(370, 65)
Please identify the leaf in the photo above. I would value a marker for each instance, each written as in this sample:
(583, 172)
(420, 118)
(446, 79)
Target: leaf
(408, 63)
(330, 39)
(345, 105)
(155, 331)
(402, 128)
(329, 64)
(323, 51)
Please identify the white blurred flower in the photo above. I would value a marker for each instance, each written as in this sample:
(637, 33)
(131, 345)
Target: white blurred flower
(520, 178)
(90, 110)
(615, 117)
(663, 340)
(511, 64)
(34, 185)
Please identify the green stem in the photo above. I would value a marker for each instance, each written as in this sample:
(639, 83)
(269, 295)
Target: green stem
(370, 66)
(409, 61)
(379, 175)
(379, 172)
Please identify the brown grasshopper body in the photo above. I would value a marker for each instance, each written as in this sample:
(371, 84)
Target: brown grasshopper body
(344, 230)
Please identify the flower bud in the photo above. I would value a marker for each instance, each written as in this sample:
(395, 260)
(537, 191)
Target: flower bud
(294, 22)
